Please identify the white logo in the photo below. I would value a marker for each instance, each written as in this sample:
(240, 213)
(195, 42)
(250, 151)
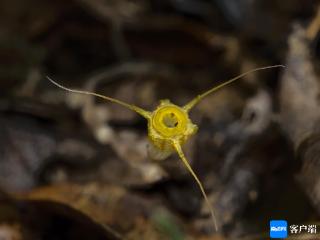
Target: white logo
(278, 229)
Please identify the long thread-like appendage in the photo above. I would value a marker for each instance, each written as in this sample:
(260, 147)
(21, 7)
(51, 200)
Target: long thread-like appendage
(178, 148)
(197, 99)
(142, 112)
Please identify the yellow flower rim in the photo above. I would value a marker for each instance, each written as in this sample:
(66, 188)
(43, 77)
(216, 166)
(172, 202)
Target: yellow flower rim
(170, 113)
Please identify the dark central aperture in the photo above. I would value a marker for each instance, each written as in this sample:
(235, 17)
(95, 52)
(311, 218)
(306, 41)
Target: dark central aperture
(170, 120)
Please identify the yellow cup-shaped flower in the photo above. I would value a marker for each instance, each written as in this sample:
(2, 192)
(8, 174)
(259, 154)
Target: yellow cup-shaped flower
(169, 126)
(167, 123)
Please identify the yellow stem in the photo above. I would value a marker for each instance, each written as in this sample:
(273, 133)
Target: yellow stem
(178, 148)
(197, 99)
(142, 112)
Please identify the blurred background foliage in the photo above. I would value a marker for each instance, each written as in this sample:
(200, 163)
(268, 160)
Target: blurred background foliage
(74, 167)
